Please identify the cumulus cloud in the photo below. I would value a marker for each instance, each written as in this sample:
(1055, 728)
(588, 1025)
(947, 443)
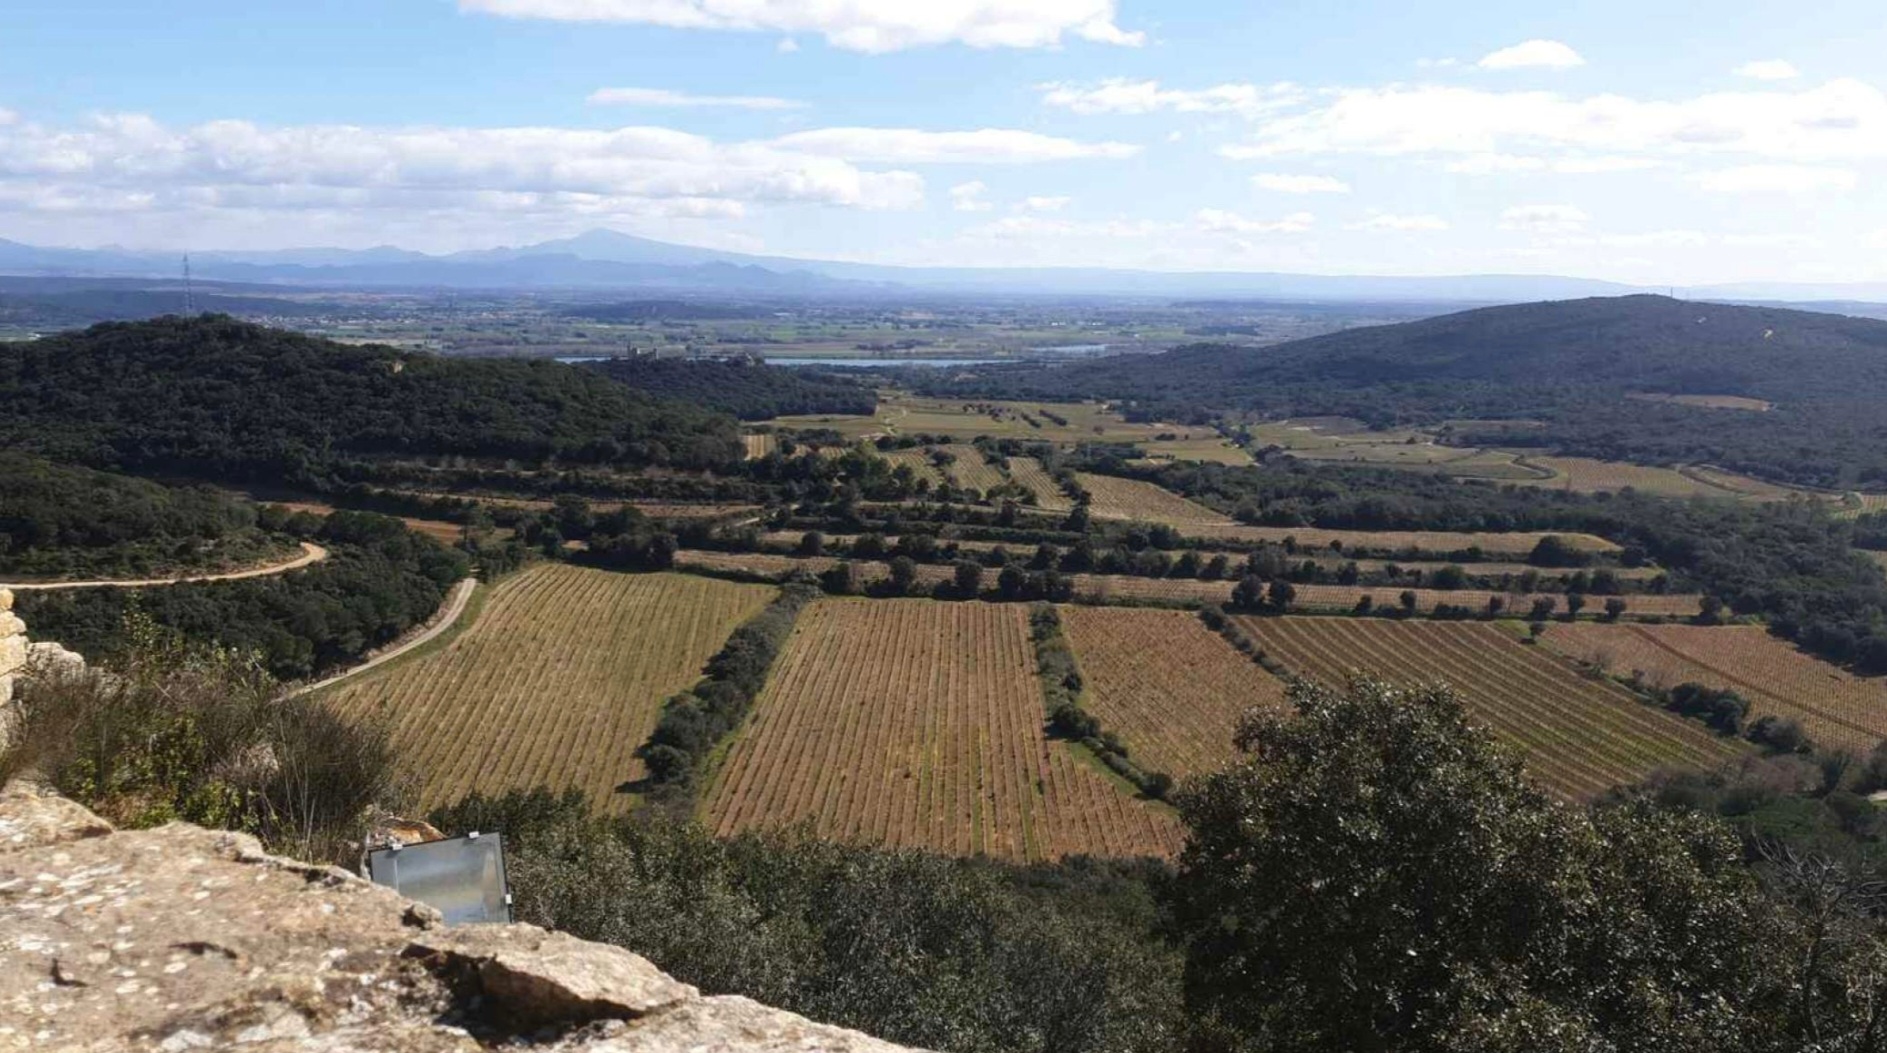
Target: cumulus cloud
(911, 146)
(1383, 222)
(8, 117)
(1218, 221)
(1532, 54)
(1043, 203)
(1840, 119)
(968, 197)
(1284, 183)
(1768, 69)
(1777, 179)
(1544, 219)
(857, 25)
(1032, 227)
(1120, 95)
(237, 164)
(682, 99)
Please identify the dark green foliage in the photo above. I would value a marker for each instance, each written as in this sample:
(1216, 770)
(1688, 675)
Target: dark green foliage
(218, 398)
(62, 521)
(1377, 875)
(381, 580)
(1722, 710)
(747, 390)
(694, 722)
(945, 954)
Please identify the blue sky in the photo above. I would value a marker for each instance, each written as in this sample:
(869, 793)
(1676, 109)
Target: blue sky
(1638, 141)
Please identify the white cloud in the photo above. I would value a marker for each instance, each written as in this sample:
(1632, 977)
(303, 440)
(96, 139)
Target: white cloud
(8, 117)
(1043, 204)
(856, 25)
(1284, 183)
(1218, 221)
(637, 170)
(665, 97)
(1768, 69)
(911, 146)
(1495, 164)
(1134, 97)
(968, 197)
(1777, 179)
(1839, 119)
(1544, 219)
(1382, 222)
(786, 46)
(1039, 227)
(1533, 54)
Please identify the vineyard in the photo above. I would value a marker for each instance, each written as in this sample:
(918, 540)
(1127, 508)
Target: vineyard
(557, 683)
(1111, 497)
(1172, 689)
(1836, 709)
(917, 459)
(1028, 472)
(1578, 735)
(1518, 543)
(758, 446)
(971, 471)
(915, 724)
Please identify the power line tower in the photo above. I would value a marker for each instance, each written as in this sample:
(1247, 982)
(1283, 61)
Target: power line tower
(189, 294)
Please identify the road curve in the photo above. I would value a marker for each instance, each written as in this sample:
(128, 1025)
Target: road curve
(447, 616)
(311, 554)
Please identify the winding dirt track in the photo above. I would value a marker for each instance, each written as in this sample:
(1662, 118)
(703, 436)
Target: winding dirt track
(311, 554)
(446, 617)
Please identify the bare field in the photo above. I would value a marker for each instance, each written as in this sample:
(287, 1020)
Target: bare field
(1835, 708)
(1578, 736)
(759, 446)
(560, 680)
(965, 419)
(1171, 688)
(915, 724)
(1209, 448)
(1729, 402)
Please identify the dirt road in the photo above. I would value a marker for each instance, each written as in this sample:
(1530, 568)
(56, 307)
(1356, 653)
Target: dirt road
(311, 554)
(447, 616)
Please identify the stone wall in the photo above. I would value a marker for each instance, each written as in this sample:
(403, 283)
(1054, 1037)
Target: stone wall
(20, 658)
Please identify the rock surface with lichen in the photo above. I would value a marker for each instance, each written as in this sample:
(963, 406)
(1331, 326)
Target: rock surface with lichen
(182, 938)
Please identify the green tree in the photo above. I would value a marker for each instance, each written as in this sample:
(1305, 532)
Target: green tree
(1377, 875)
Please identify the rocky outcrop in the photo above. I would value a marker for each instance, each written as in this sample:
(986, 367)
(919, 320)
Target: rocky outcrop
(20, 657)
(181, 938)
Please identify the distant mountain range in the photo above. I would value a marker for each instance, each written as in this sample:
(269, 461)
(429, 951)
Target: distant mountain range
(603, 259)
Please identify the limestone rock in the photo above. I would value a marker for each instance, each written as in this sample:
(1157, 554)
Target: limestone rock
(46, 658)
(182, 938)
(6, 599)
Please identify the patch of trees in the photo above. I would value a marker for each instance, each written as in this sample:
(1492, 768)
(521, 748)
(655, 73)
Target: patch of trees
(694, 722)
(380, 581)
(68, 522)
(216, 398)
(748, 390)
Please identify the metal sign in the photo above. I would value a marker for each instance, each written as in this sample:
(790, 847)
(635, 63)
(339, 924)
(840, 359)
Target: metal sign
(462, 877)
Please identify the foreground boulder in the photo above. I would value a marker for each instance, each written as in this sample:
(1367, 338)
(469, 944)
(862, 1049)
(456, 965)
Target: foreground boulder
(182, 938)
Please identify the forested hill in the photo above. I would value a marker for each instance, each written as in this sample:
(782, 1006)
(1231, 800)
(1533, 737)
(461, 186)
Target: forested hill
(1570, 363)
(749, 391)
(215, 397)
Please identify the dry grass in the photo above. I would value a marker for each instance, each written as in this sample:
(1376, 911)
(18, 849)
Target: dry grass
(1836, 709)
(759, 446)
(1729, 402)
(557, 684)
(1578, 736)
(915, 724)
(1172, 689)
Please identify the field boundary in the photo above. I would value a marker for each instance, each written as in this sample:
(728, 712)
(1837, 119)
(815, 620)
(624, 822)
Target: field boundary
(444, 619)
